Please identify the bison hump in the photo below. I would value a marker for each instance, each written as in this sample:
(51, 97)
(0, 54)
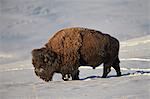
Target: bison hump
(66, 43)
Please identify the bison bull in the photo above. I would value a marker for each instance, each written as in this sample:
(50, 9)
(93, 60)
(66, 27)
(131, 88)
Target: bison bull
(71, 48)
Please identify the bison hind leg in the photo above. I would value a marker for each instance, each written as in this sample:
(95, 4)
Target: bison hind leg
(116, 66)
(106, 70)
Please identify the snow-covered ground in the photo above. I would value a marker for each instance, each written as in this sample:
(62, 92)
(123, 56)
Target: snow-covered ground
(28, 24)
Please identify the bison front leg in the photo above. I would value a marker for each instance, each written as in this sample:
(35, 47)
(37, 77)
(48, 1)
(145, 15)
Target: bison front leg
(65, 77)
(75, 75)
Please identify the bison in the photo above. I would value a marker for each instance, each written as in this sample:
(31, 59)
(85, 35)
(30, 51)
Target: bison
(71, 48)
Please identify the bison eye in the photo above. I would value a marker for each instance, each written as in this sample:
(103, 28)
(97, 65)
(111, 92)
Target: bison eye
(46, 60)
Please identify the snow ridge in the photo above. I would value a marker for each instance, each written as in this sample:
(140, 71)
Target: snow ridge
(135, 59)
(87, 67)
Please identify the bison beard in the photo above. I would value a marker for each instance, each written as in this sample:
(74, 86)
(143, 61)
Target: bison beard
(71, 48)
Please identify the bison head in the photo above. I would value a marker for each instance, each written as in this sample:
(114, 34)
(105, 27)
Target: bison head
(45, 62)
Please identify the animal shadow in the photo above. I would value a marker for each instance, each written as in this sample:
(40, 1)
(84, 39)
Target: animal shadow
(125, 74)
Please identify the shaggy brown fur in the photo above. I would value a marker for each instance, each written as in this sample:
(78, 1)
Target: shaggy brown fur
(70, 48)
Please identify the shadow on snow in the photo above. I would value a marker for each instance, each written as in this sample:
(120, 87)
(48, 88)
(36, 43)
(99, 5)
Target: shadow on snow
(125, 74)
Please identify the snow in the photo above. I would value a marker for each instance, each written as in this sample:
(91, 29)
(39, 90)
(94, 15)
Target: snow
(28, 24)
(24, 84)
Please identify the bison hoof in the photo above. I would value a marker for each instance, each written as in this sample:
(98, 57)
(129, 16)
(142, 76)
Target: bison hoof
(119, 74)
(103, 77)
(66, 77)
